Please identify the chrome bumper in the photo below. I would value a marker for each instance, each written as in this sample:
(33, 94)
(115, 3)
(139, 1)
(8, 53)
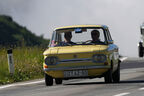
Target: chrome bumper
(76, 68)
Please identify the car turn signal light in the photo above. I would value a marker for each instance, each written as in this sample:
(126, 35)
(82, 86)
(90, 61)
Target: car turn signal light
(45, 66)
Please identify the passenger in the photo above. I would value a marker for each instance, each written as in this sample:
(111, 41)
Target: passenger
(67, 37)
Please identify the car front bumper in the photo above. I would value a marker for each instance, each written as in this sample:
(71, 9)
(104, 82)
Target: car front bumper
(93, 71)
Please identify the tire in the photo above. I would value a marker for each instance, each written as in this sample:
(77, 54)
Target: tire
(108, 76)
(140, 49)
(116, 75)
(58, 81)
(48, 80)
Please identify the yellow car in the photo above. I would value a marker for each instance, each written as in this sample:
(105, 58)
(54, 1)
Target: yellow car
(81, 51)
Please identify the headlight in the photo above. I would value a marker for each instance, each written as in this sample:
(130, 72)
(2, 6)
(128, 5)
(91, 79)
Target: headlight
(51, 60)
(99, 58)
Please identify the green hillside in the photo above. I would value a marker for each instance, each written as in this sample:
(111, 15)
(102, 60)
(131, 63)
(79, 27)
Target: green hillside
(12, 34)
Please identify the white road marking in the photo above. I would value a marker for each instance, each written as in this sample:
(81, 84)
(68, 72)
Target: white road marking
(21, 84)
(141, 88)
(2, 87)
(123, 58)
(122, 94)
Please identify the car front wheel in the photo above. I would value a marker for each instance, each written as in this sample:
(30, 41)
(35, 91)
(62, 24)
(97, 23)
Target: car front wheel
(48, 80)
(116, 75)
(58, 81)
(108, 76)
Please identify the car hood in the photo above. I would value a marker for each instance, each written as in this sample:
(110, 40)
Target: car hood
(75, 49)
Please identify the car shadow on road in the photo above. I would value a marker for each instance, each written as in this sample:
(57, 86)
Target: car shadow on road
(85, 83)
(132, 81)
(121, 82)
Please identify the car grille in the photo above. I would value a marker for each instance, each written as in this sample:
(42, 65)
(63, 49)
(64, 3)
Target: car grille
(76, 60)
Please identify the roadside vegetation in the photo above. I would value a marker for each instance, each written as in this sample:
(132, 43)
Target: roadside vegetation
(27, 51)
(27, 61)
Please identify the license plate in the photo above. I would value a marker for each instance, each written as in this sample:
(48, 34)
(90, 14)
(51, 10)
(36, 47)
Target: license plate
(76, 73)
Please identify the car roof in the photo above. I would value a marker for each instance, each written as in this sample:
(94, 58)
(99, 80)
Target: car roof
(82, 26)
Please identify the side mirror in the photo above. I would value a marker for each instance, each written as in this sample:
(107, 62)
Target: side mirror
(110, 41)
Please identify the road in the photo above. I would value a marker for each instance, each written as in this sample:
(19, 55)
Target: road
(131, 84)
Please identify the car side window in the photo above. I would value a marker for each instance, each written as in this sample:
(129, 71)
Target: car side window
(108, 35)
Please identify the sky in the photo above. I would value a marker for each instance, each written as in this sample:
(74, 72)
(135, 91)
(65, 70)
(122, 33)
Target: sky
(123, 17)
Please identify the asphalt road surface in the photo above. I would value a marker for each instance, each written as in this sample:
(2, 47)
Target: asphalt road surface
(131, 84)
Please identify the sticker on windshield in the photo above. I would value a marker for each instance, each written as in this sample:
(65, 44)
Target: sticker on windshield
(78, 30)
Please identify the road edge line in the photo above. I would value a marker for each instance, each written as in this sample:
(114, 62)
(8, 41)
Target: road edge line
(123, 59)
(122, 94)
(21, 84)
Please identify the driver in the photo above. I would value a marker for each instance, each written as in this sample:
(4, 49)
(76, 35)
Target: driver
(95, 36)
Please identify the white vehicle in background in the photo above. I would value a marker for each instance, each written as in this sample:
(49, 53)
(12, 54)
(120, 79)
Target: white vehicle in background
(141, 43)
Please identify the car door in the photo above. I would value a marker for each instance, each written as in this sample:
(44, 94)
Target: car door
(114, 49)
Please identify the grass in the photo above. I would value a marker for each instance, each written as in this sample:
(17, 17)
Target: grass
(27, 61)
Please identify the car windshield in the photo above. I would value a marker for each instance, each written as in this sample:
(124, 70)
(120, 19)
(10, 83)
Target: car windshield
(78, 36)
